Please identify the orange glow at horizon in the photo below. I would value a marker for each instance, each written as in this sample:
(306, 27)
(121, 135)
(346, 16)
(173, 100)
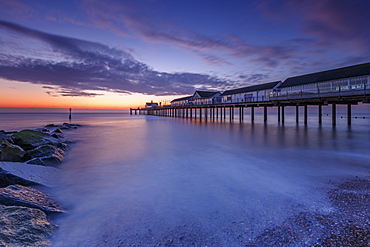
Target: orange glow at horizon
(14, 94)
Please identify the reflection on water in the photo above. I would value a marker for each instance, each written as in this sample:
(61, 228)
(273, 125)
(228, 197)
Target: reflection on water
(149, 180)
(152, 180)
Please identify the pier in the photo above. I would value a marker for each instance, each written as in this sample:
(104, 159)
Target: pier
(237, 110)
(344, 86)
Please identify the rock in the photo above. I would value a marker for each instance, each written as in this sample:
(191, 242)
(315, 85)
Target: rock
(30, 139)
(49, 155)
(4, 136)
(58, 131)
(36, 161)
(44, 161)
(18, 195)
(21, 226)
(9, 179)
(50, 125)
(10, 152)
(26, 174)
(63, 146)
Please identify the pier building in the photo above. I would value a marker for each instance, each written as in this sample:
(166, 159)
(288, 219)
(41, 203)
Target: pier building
(347, 86)
(253, 93)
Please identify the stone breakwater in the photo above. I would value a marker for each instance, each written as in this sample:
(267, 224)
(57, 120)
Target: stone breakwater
(29, 158)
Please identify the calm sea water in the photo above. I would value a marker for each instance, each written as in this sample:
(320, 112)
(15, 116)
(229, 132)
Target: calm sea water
(151, 181)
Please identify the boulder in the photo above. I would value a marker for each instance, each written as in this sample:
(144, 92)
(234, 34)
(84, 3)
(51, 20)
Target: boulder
(9, 179)
(30, 139)
(26, 174)
(63, 146)
(21, 226)
(45, 161)
(57, 131)
(4, 135)
(10, 152)
(18, 195)
(49, 154)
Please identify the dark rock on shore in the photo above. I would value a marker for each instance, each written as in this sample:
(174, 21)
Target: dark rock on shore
(31, 139)
(45, 155)
(18, 195)
(23, 213)
(10, 152)
(21, 226)
(33, 147)
(26, 174)
(9, 179)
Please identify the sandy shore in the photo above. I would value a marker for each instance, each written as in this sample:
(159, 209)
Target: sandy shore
(348, 224)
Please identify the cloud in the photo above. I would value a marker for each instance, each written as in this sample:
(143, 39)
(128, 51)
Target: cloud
(81, 66)
(124, 18)
(335, 24)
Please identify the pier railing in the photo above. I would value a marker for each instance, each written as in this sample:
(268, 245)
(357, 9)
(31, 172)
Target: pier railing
(218, 110)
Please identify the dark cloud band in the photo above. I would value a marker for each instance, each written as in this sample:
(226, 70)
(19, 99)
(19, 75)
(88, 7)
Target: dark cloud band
(88, 66)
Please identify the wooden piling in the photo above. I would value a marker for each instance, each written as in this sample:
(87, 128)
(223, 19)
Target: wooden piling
(252, 114)
(305, 114)
(349, 114)
(296, 113)
(334, 114)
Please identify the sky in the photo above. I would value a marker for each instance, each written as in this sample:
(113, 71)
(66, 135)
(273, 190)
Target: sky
(117, 54)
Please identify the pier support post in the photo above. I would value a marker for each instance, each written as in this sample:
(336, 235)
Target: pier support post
(296, 113)
(224, 113)
(278, 113)
(349, 114)
(333, 114)
(217, 113)
(265, 114)
(320, 114)
(252, 114)
(305, 114)
(282, 114)
(240, 114)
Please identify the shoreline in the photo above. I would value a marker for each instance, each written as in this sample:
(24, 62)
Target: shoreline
(29, 161)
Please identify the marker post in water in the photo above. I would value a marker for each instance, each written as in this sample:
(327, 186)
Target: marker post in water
(70, 113)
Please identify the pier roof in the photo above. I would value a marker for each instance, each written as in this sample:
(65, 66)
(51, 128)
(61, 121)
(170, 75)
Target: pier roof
(328, 75)
(205, 94)
(254, 88)
(181, 99)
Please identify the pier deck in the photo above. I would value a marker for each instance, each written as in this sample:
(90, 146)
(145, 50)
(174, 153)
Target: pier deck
(218, 111)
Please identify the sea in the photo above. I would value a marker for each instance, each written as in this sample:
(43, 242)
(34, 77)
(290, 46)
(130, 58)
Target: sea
(141, 180)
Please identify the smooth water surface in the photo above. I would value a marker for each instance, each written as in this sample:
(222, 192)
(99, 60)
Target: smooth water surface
(151, 181)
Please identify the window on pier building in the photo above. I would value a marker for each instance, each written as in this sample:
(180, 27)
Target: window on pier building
(340, 85)
(324, 86)
(310, 88)
(358, 83)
